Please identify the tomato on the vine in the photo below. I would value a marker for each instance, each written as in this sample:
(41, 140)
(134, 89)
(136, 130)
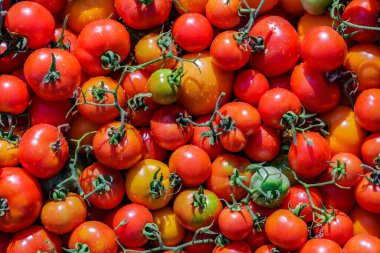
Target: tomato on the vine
(164, 86)
(235, 222)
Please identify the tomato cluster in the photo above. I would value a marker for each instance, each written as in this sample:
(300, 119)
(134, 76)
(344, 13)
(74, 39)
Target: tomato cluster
(199, 126)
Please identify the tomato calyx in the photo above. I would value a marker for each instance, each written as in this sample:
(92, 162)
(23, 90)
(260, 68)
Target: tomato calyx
(116, 134)
(374, 177)
(3, 206)
(79, 248)
(339, 169)
(59, 194)
(53, 74)
(222, 241)
(156, 186)
(199, 199)
(137, 102)
(99, 93)
(56, 146)
(9, 136)
(298, 209)
(110, 60)
(59, 43)
(152, 232)
(101, 185)
(175, 77)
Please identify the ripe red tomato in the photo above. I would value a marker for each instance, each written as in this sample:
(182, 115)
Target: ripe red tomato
(69, 38)
(256, 239)
(15, 97)
(151, 148)
(268, 5)
(235, 224)
(321, 245)
(234, 140)
(52, 81)
(353, 169)
(282, 81)
(54, 6)
(370, 149)
(362, 243)
(32, 21)
(54, 113)
(43, 151)
(365, 222)
(367, 193)
(233, 247)
(367, 110)
(222, 14)
(142, 16)
(22, 194)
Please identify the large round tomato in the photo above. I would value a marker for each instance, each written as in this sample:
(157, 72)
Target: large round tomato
(222, 14)
(370, 149)
(49, 112)
(362, 243)
(367, 193)
(21, 193)
(365, 222)
(352, 172)
(16, 98)
(172, 232)
(235, 224)
(144, 186)
(163, 91)
(321, 245)
(53, 74)
(367, 110)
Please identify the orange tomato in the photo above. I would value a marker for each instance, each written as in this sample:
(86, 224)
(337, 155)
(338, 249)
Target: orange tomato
(268, 5)
(171, 231)
(79, 126)
(293, 7)
(308, 22)
(365, 222)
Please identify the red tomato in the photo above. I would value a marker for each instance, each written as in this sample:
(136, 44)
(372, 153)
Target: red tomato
(268, 4)
(49, 112)
(278, 57)
(43, 151)
(323, 48)
(142, 16)
(151, 148)
(256, 239)
(193, 32)
(293, 7)
(352, 168)
(22, 194)
(367, 193)
(199, 248)
(32, 21)
(222, 14)
(233, 247)
(367, 110)
(11, 62)
(69, 38)
(15, 98)
(362, 243)
(234, 140)
(235, 224)
(321, 245)
(282, 81)
(54, 6)
(365, 222)
(190, 6)
(370, 149)
(80, 126)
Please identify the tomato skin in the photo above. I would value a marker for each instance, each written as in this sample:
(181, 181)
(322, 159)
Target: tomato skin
(321, 245)
(367, 195)
(16, 97)
(36, 153)
(364, 61)
(286, 230)
(107, 199)
(346, 135)
(293, 7)
(138, 184)
(202, 86)
(37, 66)
(233, 247)
(323, 48)
(309, 161)
(234, 140)
(172, 232)
(142, 17)
(95, 113)
(308, 21)
(8, 153)
(54, 6)
(192, 164)
(235, 225)
(256, 239)
(370, 149)
(280, 57)
(282, 81)
(250, 85)
(9, 63)
(33, 239)
(221, 170)
(167, 133)
(352, 166)
(265, 249)
(130, 234)
(31, 20)
(223, 15)
(61, 217)
(151, 148)
(312, 89)
(98, 237)
(191, 217)
(54, 113)
(79, 126)
(365, 222)
(201, 34)
(23, 193)
(362, 243)
(123, 155)
(97, 38)
(366, 110)
(190, 6)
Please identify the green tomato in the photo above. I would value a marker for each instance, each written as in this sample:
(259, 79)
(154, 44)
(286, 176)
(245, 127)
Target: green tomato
(163, 86)
(281, 162)
(315, 7)
(271, 187)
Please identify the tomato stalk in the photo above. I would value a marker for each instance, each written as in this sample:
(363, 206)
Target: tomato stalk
(79, 248)
(199, 199)
(137, 102)
(110, 60)
(9, 136)
(59, 43)
(101, 185)
(56, 146)
(53, 74)
(375, 173)
(156, 186)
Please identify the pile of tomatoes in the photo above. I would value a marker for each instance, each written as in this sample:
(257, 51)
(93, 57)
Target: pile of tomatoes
(198, 126)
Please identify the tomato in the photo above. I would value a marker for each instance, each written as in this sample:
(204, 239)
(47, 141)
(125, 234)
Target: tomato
(352, 168)
(148, 49)
(151, 148)
(94, 91)
(80, 126)
(139, 181)
(309, 160)
(365, 222)
(315, 7)
(192, 164)
(362, 243)
(346, 135)
(54, 6)
(136, 217)
(69, 41)
(266, 249)
(96, 39)
(285, 230)
(166, 131)
(96, 235)
(281, 162)
(221, 170)
(203, 83)
(226, 53)
(235, 224)
(234, 140)
(362, 12)
(286, 100)
(366, 110)
(256, 239)
(193, 215)
(164, 90)
(339, 230)
(123, 155)
(113, 193)
(370, 149)
(250, 85)
(49, 112)
(22, 194)
(268, 5)
(34, 239)
(199, 248)
(172, 232)
(278, 57)
(309, 21)
(264, 145)
(233, 247)
(83, 12)
(323, 49)
(32, 21)
(11, 62)
(190, 6)
(222, 14)
(367, 193)
(297, 195)
(321, 245)
(293, 7)
(364, 61)
(142, 16)
(52, 81)
(16, 97)
(8, 153)
(200, 36)
(63, 216)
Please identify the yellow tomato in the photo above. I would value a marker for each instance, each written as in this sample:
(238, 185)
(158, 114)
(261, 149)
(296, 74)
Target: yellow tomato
(308, 22)
(8, 154)
(172, 232)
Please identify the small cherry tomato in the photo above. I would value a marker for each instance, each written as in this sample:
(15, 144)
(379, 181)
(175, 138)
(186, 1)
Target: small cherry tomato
(15, 98)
